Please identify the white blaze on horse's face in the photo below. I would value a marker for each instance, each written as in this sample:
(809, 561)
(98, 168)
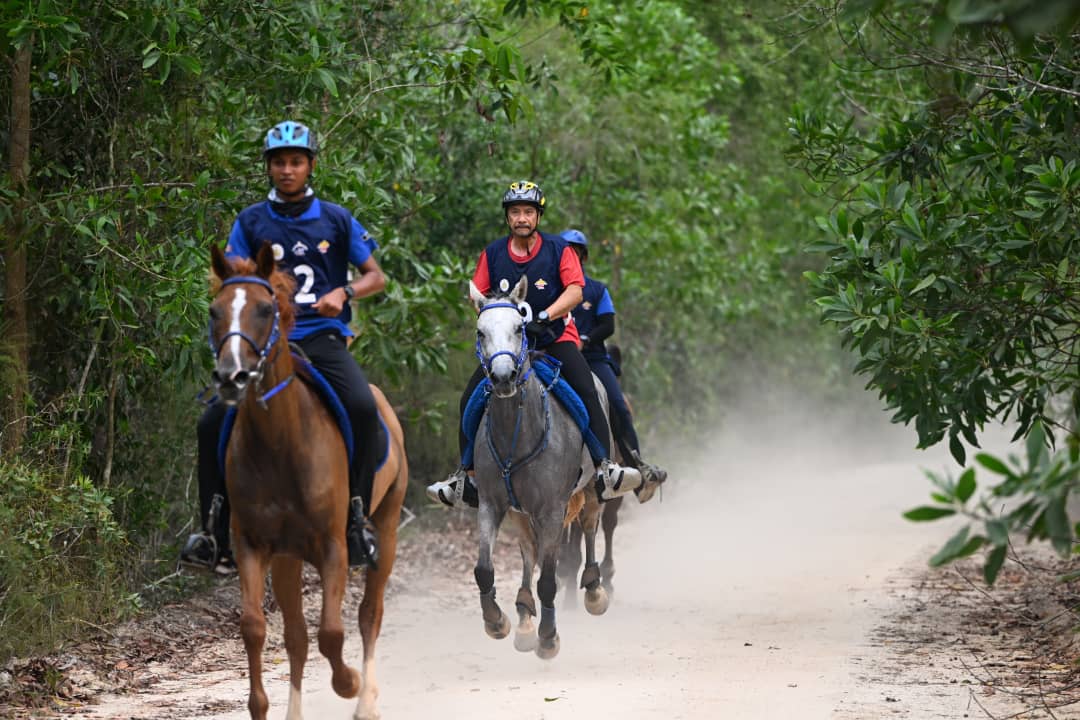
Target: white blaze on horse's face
(234, 349)
(498, 331)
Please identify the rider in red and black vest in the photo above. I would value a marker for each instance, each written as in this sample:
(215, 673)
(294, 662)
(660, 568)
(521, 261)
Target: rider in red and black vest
(595, 320)
(316, 241)
(555, 284)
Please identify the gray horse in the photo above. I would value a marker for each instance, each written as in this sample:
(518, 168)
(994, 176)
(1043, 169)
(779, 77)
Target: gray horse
(529, 459)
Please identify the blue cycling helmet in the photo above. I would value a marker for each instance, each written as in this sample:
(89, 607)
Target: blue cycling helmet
(575, 237)
(289, 134)
(526, 192)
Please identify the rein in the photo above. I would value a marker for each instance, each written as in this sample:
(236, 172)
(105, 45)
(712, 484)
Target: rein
(508, 466)
(264, 351)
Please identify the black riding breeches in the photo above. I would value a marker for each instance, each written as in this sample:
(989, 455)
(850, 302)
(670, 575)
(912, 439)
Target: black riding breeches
(622, 422)
(211, 479)
(330, 355)
(577, 373)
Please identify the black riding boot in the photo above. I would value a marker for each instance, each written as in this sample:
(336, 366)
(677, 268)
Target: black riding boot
(361, 536)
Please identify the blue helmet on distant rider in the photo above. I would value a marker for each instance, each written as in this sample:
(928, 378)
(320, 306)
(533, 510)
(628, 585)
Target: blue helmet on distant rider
(290, 135)
(526, 192)
(575, 237)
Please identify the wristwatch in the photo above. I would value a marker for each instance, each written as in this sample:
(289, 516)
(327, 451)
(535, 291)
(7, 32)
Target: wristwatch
(349, 292)
(543, 316)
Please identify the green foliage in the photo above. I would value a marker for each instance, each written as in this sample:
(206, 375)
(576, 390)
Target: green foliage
(951, 250)
(1027, 495)
(61, 555)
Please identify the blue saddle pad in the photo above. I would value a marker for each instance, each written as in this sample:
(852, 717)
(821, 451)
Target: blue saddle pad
(547, 372)
(315, 380)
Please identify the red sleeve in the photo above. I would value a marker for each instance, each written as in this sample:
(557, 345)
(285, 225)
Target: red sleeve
(570, 271)
(481, 277)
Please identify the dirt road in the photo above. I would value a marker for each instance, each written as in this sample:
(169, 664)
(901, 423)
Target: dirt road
(758, 589)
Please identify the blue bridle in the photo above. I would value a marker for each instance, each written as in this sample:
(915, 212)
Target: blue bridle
(264, 351)
(519, 358)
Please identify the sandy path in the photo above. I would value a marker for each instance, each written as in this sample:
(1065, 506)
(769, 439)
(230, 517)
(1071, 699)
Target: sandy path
(751, 592)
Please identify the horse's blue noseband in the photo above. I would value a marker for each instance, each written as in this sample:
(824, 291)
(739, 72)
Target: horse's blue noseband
(275, 330)
(519, 358)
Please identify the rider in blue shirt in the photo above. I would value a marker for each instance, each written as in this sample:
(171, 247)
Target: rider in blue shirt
(595, 320)
(316, 241)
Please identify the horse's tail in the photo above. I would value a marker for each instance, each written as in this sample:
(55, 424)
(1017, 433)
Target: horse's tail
(573, 507)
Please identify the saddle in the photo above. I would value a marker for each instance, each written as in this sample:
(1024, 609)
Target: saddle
(547, 372)
(311, 377)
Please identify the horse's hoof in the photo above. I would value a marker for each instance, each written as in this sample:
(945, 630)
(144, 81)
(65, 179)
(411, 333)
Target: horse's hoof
(525, 640)
(346, 683)
(597, 601)
(500, 630)
(548, 647)
(366, 714)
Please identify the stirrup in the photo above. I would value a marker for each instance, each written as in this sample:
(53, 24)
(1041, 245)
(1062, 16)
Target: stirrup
(361, 536)
(652, 478)
(200, 552)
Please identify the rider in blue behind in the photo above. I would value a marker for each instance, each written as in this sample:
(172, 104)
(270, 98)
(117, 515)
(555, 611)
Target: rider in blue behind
(555, 283)
(595, 320)
(316, 241)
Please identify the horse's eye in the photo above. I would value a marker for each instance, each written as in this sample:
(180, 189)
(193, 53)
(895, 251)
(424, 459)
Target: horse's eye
(215, 312)
(479, 334)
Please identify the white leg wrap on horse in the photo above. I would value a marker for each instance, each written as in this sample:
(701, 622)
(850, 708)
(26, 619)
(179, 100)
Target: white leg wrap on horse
(365, 707)
(294, 712)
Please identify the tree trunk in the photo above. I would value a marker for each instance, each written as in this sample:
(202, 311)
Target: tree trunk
(17, 335)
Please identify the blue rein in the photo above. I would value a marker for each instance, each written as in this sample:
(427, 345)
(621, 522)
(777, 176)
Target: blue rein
(508, 466)
(271, 341)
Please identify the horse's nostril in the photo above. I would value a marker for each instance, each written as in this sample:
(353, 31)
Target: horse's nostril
(241, 378)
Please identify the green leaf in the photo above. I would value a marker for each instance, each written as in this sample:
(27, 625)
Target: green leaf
(965, 486)
(952, 549)
(1036, 443)
(994, 561)
(924, 283)
(993, 464)
(928, 512)
(957, 449)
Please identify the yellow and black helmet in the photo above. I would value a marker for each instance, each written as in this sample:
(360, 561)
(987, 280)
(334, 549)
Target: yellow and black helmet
(524, 191)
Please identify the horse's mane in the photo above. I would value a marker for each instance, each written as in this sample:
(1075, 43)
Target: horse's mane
(283, 283)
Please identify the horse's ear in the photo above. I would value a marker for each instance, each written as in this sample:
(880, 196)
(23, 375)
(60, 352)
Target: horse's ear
(218, 262)
(517, 295)
(264, 261)
(475, 295)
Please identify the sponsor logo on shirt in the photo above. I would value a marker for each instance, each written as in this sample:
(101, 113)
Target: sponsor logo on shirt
(324, 246)
(540, 284)
(587, 305)
(299, 249)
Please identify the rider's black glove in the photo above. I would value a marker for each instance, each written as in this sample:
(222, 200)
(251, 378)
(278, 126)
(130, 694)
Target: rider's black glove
(539, 327)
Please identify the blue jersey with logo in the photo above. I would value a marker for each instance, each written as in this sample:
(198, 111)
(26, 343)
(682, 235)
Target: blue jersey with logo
(545, 281)
(316, 247)
(595, 301)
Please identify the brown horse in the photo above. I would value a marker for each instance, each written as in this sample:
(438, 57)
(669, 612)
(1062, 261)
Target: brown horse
(286, 470)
